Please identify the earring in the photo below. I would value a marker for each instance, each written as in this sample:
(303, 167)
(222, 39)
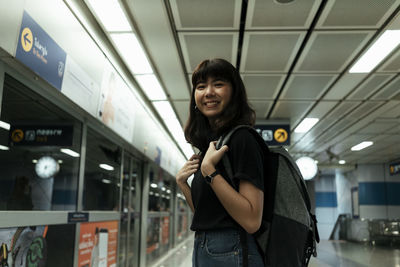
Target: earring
(195, 107)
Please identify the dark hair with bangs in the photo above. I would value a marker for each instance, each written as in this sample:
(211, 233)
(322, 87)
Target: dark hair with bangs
(237, 112)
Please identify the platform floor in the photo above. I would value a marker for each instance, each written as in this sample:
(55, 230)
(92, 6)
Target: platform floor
(330, 254)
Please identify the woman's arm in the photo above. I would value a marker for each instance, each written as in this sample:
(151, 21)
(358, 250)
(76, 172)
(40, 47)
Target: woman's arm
(184, 173)
(245, 206)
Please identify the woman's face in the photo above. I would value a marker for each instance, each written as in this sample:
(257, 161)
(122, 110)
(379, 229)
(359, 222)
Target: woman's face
(212, 97)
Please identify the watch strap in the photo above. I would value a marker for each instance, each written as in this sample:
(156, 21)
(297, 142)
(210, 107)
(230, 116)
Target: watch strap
(209, 178)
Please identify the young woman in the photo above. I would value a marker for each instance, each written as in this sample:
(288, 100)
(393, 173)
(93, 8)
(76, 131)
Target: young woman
(223, 216)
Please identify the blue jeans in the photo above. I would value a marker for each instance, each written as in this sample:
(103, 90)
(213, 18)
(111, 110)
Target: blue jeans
(220, 248)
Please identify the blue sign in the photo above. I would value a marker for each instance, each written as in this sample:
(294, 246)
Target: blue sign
(275, 134)
(76, 217)
(37, 50)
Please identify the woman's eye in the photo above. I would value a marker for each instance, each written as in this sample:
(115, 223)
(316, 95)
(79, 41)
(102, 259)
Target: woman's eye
(200, 87)
(219, 84)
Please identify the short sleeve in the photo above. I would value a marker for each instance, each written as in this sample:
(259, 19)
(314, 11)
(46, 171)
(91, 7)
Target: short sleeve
(246, 158)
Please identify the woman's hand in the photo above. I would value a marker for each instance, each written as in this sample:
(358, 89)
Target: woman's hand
(211, 158)
(190, 167)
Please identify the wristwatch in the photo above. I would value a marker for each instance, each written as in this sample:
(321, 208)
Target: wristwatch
(209, 178)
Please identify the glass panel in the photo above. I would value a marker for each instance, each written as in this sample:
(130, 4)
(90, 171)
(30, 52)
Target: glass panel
(102, 173)
(35, 174)
(135, 214)
(123, 238)
(153, 239)
(160, 190)
(165, 227)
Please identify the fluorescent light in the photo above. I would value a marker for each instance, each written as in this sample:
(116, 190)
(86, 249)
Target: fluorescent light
(4, 147)
(342, 162)
(175, 128)
(151, 87)
(34, 161)
(306, 125)
(164, 109)
(153, 185)
(377, 52)
(132, 52)
(106, 167)
(362, 145)
(60, 161)
(70, 152)
(5, 125)
(111, 15)
(106, 181)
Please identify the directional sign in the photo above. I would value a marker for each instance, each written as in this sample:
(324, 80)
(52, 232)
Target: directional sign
(41, 135)
(394, 168)
(37, 50)
(274, 134)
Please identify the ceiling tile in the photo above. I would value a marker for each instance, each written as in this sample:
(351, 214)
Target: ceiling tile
(262, 86)
(389, 91)
(263, 14)
(378, 127)
(261, 108)
(356, 13)
(182, 108)
(335, 114)
(206, 14)
(291, 109)
(199, 46)
(269, 51)
(306, 86)
(331, 51)
(369, 86)
(344, 86)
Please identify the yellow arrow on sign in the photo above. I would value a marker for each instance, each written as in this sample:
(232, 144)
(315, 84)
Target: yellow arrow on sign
(280, 135)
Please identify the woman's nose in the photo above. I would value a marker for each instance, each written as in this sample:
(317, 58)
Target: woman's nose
(209, 90)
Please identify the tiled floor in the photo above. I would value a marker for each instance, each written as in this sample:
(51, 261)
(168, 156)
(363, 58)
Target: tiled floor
(330, 254)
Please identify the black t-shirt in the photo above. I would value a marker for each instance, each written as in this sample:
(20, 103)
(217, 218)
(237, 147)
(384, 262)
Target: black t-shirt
(246, 158)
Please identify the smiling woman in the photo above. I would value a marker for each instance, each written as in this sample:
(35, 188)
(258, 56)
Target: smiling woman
(225, 214)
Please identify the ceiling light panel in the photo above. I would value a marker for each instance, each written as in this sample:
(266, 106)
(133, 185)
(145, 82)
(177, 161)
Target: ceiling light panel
(362, 145)
(385, 44)
(110, 14)
(164, 109)
(132, 52)
(306, 125)
(151, 87)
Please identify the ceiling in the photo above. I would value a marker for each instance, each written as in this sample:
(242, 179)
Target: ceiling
(294, 59)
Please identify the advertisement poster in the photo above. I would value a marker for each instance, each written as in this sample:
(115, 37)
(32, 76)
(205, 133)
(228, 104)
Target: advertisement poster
(117, 103)
(37, 246)
(98, 244)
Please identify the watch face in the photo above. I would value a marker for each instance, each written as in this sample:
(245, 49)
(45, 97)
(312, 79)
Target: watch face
(46, 167)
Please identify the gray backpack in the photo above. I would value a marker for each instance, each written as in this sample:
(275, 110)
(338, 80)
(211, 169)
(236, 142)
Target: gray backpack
(288, 233)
